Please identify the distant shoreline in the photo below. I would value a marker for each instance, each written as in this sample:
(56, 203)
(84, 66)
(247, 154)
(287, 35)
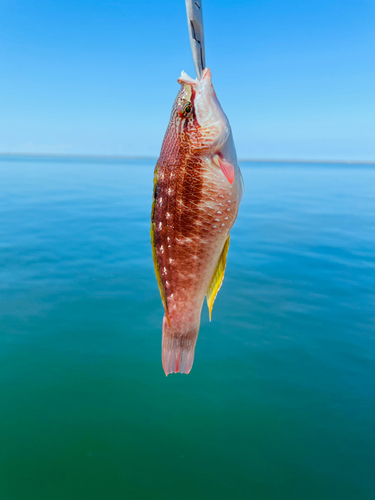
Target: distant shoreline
(131, 157)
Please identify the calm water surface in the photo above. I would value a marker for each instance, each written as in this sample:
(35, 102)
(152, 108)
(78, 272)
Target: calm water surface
(280, 404)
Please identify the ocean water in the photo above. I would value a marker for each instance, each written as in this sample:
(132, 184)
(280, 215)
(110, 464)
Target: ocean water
(280, 404)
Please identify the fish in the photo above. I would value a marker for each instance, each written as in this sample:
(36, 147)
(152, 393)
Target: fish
(198, 187)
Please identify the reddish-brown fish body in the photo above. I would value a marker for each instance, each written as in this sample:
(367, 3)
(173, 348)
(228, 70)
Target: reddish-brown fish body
(197, 190)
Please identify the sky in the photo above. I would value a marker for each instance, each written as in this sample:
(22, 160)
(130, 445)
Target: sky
(295, 78)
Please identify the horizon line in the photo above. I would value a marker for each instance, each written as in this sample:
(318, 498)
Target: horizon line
(139, 157)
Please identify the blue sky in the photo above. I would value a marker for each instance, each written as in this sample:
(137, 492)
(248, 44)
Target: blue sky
(296, 78)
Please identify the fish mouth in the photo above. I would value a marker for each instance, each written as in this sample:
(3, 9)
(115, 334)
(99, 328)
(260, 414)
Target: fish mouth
(188, 80)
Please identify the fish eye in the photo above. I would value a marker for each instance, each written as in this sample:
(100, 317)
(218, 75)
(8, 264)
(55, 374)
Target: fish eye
(186, 110)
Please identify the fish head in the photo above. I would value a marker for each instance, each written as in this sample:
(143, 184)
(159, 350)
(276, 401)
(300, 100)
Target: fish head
(200, 113)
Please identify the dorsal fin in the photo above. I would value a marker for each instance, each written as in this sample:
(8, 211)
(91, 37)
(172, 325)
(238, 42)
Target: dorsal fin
(154, 253)
(217, 278)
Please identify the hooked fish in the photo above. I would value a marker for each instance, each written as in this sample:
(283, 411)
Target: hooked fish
(197, 191)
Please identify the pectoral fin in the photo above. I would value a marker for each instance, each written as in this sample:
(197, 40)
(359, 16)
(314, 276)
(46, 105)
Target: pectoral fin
(217, 278)
(227, 169)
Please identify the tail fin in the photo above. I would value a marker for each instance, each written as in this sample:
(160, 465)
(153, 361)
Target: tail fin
(178, 348)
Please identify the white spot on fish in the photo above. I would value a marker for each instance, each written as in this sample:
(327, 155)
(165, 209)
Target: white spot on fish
(168, 238)
(223, 224)
(229, 201)
(165, 271)
(172, 295)
(168, 215)
(228, 209)
(167, 283)
(160, 225)
(218, 212)
(225, 218)
(214, 227)
(169, 190)
(162, 249)
(217, 220)
(170, 261)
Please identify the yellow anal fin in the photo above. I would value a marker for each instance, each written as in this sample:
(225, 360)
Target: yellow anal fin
(217, 278)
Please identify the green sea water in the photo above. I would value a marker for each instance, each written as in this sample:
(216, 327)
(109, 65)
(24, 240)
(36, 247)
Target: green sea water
(280, 404)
